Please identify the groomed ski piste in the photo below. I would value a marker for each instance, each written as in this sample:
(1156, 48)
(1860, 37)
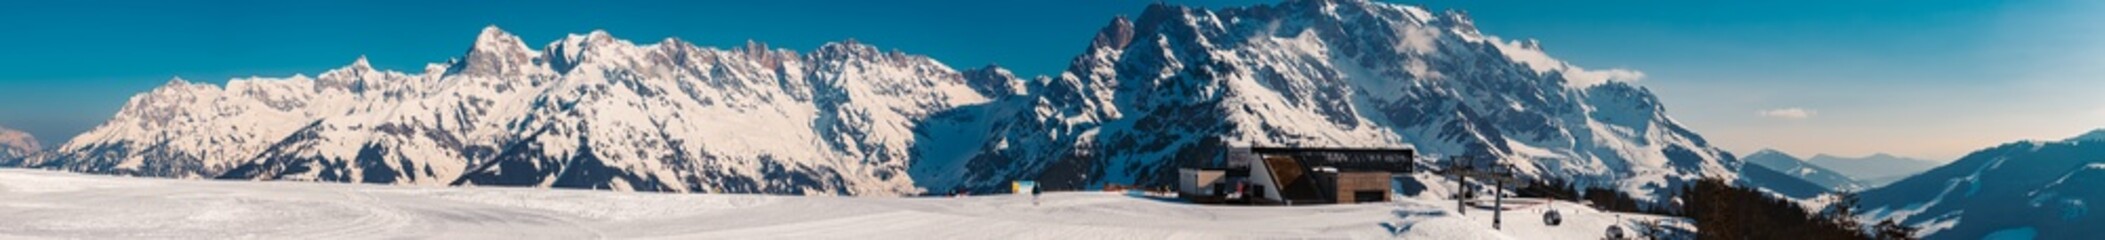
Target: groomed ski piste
(37, 204)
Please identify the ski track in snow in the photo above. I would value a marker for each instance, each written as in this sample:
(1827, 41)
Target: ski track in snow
(42, 204)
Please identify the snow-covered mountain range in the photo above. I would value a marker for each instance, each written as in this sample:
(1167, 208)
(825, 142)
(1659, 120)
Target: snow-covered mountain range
(1799, 168)
(588, 111)
(2028, 189)
(1151, 93)
(17, 145)
(1337, 74)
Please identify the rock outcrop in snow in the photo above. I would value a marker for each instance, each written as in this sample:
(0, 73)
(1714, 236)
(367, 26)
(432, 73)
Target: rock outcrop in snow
(1149, 94)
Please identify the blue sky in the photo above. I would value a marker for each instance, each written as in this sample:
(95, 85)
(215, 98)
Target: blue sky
(1932, 79)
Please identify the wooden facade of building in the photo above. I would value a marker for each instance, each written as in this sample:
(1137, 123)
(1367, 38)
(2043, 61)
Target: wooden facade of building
(1301, 175)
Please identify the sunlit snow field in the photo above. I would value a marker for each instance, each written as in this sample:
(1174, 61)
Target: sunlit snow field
(44, 204)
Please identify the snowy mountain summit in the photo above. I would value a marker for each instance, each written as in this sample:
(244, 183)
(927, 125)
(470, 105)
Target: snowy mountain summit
(16, 145)
(1148, 94)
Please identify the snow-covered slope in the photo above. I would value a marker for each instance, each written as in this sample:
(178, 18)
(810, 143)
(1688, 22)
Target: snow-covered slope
(1149, 94)
(1785, 163)
(1876, 169)
(1173, 85)
(41, 204)
(17, 145)
(2037, 187)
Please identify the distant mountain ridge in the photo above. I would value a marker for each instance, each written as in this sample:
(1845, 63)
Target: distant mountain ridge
(2027, 188)
(17, 145)
(1785, 163)
(1876, 169)
(1780, 183)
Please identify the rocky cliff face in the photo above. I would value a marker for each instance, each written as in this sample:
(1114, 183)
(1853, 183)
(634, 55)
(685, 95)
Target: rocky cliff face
(1173, 85)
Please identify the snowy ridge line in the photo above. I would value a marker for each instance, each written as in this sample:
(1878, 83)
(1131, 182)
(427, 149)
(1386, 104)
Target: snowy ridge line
(2050, 182)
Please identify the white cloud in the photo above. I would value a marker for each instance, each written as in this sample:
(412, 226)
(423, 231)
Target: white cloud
(1787, 113)
(1583, 77)
(1530, 53)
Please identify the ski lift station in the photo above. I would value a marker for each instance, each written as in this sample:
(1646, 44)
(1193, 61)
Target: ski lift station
(1292, 176)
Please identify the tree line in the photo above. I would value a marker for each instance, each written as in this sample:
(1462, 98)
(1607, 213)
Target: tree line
(1726, 211)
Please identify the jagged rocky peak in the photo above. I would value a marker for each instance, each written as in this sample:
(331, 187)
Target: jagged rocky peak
(496, 40)
(361, 64)
(16, 147)
(497, 52)
(17, 143)
(175, 89)
(349, 77)
(599, 36)
(846, 49)
(577, 49)
(357, 69)
(573, 45)
(994, 81)
(1461, 21)
(1114, 35)
(677, 46)
(852, 51)
(176, 83)
(755, 46)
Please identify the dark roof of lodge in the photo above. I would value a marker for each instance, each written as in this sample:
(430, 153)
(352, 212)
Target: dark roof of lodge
(1348, 159)
(1330, 149)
